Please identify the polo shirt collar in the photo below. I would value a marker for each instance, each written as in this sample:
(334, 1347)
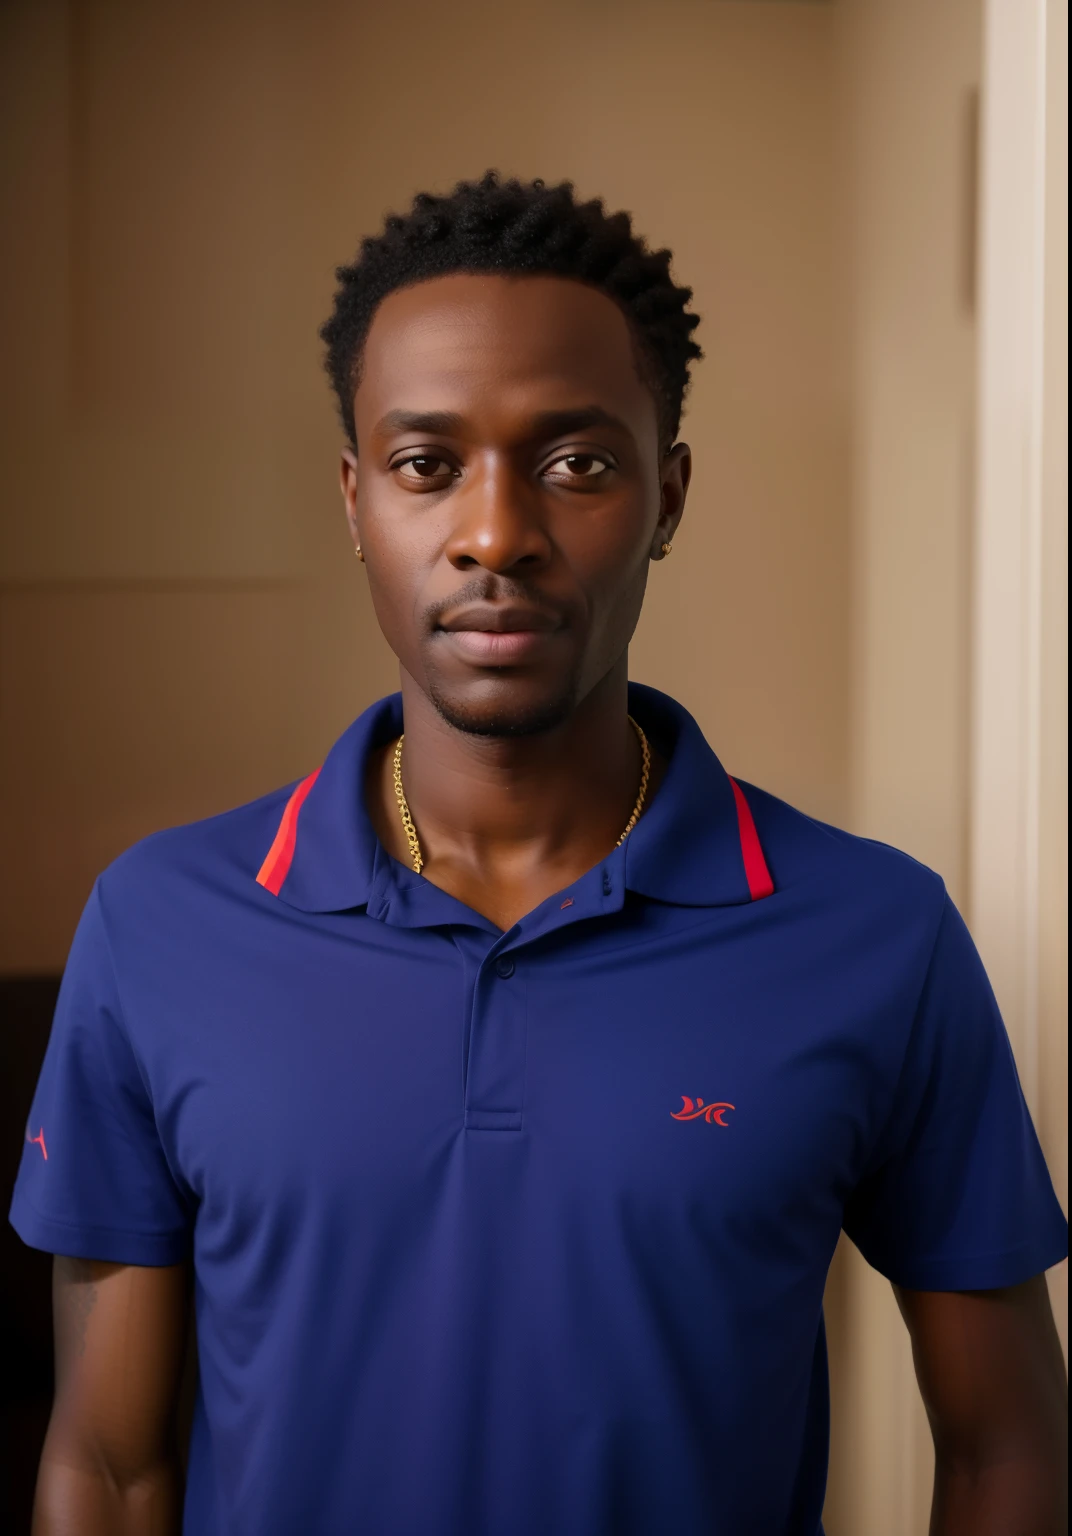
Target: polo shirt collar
(686, 849)
(335, 847)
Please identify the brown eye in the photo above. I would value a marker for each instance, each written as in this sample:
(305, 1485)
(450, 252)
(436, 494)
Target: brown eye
(424, 466)
(580, 466)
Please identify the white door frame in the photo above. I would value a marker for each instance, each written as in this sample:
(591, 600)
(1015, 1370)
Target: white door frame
(1008, 574)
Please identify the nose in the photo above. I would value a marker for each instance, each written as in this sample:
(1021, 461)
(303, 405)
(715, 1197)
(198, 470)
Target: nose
(498, 524)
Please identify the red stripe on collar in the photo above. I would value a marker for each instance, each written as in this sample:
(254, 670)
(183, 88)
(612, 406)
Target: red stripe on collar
(276, 866)
(756, 872)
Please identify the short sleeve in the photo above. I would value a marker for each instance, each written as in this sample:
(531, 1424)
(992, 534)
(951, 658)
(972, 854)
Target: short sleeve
(94, 1182)
(958, 1196)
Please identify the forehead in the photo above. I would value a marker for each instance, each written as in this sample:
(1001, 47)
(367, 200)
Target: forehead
(511, 345)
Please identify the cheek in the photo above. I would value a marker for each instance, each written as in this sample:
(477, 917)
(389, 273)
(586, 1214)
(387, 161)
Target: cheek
(607, 543)
(395, 581)
(618, 613)
(614, 586)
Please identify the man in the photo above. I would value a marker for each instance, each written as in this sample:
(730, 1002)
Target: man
(505, 1085)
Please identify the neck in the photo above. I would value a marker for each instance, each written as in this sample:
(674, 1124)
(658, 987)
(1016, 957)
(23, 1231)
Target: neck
(504, 822)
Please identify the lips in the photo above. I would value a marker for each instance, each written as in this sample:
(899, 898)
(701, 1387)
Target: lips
(495, 635)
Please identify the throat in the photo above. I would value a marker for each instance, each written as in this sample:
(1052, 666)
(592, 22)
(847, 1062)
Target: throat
(501, 831)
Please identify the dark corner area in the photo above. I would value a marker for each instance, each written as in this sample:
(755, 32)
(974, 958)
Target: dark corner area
(26, 1006)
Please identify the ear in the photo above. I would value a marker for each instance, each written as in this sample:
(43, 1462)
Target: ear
(675, 472)
(348, 486)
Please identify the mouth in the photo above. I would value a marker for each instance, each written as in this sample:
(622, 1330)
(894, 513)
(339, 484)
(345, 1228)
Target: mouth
(496, 635)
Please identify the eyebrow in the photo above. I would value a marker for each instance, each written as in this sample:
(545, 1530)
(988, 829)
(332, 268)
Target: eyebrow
(441, 422)
(545, 424)
(559, 423)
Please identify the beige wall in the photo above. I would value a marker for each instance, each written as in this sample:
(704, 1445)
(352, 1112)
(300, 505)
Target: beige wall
(910, 80)
(1051, 1106)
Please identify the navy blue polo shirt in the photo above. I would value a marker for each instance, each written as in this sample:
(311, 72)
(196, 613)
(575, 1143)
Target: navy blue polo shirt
(518, 1233)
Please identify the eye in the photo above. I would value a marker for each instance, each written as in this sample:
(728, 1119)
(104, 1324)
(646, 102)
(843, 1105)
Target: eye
(578, 466)
(424, 466)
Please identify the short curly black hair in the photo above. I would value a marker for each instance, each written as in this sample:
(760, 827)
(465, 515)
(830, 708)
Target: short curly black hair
(518, 227)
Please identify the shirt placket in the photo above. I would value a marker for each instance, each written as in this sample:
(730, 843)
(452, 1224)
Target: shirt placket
(498, 1043)
(499, 1020)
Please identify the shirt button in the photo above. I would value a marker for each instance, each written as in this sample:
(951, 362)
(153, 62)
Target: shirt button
(504, 967)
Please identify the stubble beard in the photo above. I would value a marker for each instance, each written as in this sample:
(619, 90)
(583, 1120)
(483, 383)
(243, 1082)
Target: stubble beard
(504, 719)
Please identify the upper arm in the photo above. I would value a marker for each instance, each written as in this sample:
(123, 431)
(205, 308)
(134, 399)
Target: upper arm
(120, 1334)
(97, 1178)
(990, 1371)
(99, 1182)
(955, 1195)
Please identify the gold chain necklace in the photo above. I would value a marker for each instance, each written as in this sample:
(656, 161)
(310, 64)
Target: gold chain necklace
(410, 830)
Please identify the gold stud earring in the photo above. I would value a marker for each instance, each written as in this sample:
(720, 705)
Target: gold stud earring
(357, 552)
(665, 548)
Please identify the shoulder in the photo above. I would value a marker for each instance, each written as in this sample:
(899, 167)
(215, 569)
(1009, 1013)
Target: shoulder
(804, 852)
(215, 854)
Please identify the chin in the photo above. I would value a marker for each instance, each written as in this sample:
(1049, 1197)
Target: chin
(501, 709)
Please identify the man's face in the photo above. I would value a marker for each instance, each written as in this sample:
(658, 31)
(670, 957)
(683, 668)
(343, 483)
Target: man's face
(507, 492)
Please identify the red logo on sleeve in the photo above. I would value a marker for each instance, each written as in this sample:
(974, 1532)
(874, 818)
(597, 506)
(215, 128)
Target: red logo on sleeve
(38, 1141)
(696, 1109)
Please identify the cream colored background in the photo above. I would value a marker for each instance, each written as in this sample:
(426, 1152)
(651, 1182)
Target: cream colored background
(182, 625)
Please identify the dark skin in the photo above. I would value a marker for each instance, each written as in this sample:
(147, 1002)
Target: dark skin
(521, 770)
(509, 473)
(110, 1464)
(992, 1376)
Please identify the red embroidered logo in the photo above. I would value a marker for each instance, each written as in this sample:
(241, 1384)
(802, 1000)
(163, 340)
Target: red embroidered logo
(696, 1109)
(38, 1141)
